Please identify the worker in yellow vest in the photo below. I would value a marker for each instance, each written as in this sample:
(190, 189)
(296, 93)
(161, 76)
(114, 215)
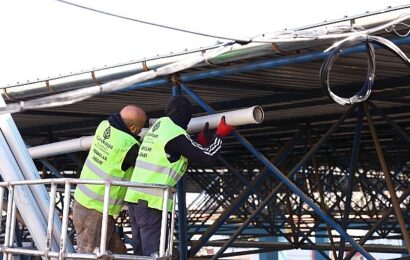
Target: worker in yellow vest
(163, 159)
(112, 156)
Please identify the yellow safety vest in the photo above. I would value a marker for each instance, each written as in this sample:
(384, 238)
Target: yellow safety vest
(153, 166)
(104, 161)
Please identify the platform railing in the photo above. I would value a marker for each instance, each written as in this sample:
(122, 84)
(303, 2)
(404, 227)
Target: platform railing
(9, 249)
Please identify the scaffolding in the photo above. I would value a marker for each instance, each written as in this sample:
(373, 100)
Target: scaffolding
(13, 246)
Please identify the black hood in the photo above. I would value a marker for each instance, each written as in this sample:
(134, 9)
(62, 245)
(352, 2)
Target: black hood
(179, 109)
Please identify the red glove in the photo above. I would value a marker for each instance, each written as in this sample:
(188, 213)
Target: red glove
(203, 135)
(223, 128)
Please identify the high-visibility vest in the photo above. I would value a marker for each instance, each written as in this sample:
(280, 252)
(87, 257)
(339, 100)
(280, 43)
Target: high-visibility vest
(103, 162)
(153, 167)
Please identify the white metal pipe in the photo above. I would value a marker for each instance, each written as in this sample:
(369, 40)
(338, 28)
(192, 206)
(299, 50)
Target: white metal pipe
(63, 241)
(13, 223)
(245, 116)
(103, 241)
(164, 220)
(33, 252)
(79, 144)
(13, 227)
(1, 206)
(51, 211)
(84, 181)
(171, 228)
(8, 220)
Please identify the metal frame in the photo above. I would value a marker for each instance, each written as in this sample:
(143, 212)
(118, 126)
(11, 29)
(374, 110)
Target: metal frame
(9, 250)
(285, 180)
(352, 169)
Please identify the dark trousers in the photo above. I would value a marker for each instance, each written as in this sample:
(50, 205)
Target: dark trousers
(146, 228)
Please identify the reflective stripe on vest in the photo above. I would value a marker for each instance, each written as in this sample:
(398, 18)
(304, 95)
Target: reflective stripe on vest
(97, 171)
(150, 191)
(154, 197)
(91, 194)
(159, 169)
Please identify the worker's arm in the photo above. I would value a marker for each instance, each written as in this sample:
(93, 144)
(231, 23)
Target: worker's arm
(196, 153)
(130, 157)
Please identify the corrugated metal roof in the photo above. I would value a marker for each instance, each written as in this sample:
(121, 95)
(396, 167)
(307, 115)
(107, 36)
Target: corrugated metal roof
(291, 96)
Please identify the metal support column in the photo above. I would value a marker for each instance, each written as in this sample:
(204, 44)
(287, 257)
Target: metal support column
(387, 178)
(269, 255)
(320, 238)
(322, 201)
(351, 172)
(181, 205)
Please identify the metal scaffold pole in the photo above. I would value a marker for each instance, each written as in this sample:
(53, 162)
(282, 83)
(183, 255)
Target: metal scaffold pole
(387, 178)
(181, 204)
(32, 202)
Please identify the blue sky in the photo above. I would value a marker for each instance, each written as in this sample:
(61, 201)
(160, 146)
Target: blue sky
(45, 38)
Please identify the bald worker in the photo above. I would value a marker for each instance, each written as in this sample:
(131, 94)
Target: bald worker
(112, 157)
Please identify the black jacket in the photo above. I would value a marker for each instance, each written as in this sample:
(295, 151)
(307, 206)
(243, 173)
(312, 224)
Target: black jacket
(179, 110)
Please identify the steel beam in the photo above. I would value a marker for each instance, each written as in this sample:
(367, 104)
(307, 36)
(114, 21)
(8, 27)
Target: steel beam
(284, 180)
(387, 177)
(351, 174)
(181, 204)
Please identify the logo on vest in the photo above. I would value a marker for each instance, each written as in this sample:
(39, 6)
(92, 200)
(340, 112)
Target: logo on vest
(107, 133)
(156, 126)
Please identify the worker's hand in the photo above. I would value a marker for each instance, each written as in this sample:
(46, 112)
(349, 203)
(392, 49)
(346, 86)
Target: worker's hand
(223, 128)
(203, 136)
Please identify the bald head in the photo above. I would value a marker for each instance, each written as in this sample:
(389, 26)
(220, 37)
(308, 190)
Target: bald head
(134, 118)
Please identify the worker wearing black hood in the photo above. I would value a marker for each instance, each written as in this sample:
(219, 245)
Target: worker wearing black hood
(179, 110)
(163, 159)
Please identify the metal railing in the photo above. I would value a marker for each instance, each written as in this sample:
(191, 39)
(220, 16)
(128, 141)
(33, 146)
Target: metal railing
(9, 249)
